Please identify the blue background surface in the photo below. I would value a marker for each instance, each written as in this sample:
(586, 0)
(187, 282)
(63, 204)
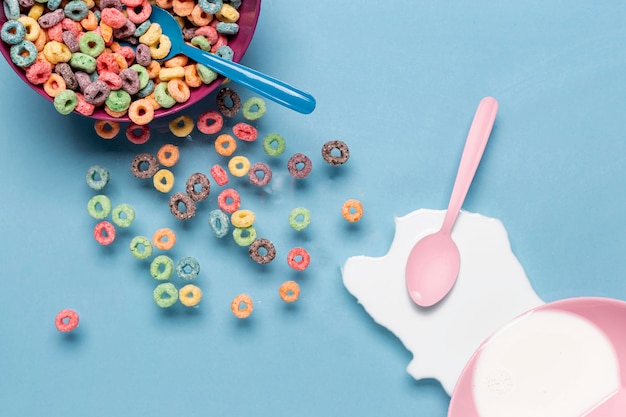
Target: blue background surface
(399, 82)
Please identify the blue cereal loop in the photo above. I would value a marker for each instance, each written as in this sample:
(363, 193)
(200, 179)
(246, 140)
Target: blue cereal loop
(225, 52)
(147, 90)
(227, 28)
(76, 10)
(23, 54)
(53, 4)
(11, 9)
(188, 268)
(142, 28)
(210, 6)
(13, 32)
(219, 223)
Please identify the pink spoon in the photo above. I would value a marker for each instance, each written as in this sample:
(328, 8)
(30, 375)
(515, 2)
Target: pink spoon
(434, 262)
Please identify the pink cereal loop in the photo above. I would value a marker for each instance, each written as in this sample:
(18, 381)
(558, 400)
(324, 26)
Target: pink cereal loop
(131, 3)
(55, 33)
(221, 41)
(145, 9)
(209, 32)
(113, 80)
(66, 320)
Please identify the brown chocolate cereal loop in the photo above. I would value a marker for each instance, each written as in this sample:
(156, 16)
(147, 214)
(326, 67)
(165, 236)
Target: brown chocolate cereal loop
(222, 104)
(190, 206)
(138, 165)
(205, 186)
(261, 244)
(327, 152)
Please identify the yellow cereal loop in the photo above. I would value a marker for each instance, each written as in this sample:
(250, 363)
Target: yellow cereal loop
(90, 3)
(166, 74)
(36, 11)
(181, 126)
(239, 166)
(161, 48)
(32, 28)
(243, 218)
(227, 14)
(152, 35)
(163, 180)
(56, 52)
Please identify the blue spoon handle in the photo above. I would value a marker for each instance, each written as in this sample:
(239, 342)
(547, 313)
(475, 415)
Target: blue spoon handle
(262, 84)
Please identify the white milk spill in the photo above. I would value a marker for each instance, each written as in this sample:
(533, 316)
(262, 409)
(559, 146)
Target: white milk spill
(491, 290)
(545, 364)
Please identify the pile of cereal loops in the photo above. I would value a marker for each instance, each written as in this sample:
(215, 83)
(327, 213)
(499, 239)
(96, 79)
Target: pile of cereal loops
(230, 217)
(105, 54)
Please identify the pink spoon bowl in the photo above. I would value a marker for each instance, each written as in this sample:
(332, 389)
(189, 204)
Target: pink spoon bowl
(608, 315)
(248, 18)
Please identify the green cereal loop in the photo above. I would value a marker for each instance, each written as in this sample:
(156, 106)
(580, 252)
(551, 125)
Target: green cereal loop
(118, 100)
(97, 177)
(167, 288)
(161, 268)
(83, 62)
(270, 140)
(142, 72)
(163, 97)
(65, 102)
(299, 218)
(128, 215)
(253, 108)
(207, 75)
(240, 239)
(140, 247)
(201, 42)
(91, 43)
(99, 206)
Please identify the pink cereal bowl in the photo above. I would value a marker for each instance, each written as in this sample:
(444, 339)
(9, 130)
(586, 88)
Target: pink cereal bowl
(607, 314)
(248, 17)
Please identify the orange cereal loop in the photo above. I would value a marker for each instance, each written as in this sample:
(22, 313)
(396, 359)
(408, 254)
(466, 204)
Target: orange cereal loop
(141, 112)
(112, 113)
(199, 17)
(106, 32)
(41, 40)
(168, 155)
(181, 126)
(54, 85)
(121, 60)
(225, 145)
(178, 90)
(153, 69)
(90, 22)
(106, 129)
(115, 46)
(192, 78)
(164, 239)
(164, 4)
(183, 7)
(352, 210)
(177, 61)
(242, 306)
(289, 291)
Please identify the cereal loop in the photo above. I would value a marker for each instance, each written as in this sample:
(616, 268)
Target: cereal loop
(141, 112)
(218, 220)
(299, 165)
(228, 102)
(164, 239)
(242, 306)
(298, 259)
(239, 166)
(352, 210)
(299, 218)
(66, 320)
(260, 174)
(228, 200)
(274, 144)
(335, 145)
(188, 268)
(137, 134)
(140, 247)
(244, 236)
(168, 155)
(104, 233)
(161, 268)
(254, 108)
(245, 131)
(210, 122)
(144, 165)
(123, 215)
(163, 180)
(97, 177)
(190, 295)
(191, 187)
(182, 206)
(262, 251)
(225, 145)
(99, 207)
(165, 295)
(219, 175)
(243, 218)
(181, 126)
(289, 291)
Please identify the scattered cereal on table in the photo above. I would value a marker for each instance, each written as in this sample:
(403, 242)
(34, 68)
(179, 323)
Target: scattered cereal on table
(104, 233)
(262, 251)
(161, 268)
(242, 306)
(335, 146)
(66, 320)
(188, 268)
(289, 291)
(352, 210)
(182, 206)
(165, 295)
(97, 177)
(298, 259)
(123, 215)
(164, 239)
(190, 295)
(140, 247)
(299, 218)
(299, 165)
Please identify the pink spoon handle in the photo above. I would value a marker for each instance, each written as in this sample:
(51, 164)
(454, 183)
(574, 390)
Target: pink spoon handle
(472, 153)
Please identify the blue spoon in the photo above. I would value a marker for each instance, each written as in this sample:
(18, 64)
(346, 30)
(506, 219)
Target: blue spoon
(262, 84)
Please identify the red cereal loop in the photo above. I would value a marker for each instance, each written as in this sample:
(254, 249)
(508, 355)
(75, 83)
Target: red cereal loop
(106, 62)
(210, 122)
(137, 134)
(223, 200)
(111, 79)
(39, 72)
(128, 53)
(66, 320)
(219, 174)
(245, 131)
(104, 233)
(83, 107)
(113, 17)
(221, 41)
(298, 259)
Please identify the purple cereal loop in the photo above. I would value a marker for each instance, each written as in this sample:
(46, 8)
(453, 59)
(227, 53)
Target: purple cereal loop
(65, 71)
(26, 4)
(96, 93)
(130, 81)
(83, 80)
(142, 55)
(189, 33)
(69, 39)
(125, 31)
(295, 161)
(50, 19)
(116, 4)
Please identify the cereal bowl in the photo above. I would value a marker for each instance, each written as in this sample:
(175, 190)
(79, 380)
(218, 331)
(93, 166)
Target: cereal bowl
(248, 14)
